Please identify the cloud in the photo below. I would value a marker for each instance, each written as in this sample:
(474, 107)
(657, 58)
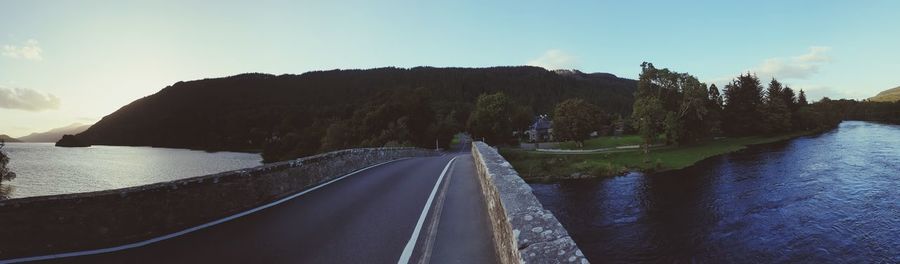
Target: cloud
(29, 51)
(555, 59)
(797, 67)
(27, 99)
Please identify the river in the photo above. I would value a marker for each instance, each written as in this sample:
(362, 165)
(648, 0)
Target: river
(43, 169)
(828, 198)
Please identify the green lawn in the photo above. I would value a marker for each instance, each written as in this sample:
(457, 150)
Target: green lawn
(607, 142)
(604, 142)
(540, 166)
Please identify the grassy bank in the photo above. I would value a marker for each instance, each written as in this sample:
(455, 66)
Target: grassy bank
(533, 166)
(604, 142)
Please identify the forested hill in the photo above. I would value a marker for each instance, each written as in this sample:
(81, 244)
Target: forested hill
(296, 115)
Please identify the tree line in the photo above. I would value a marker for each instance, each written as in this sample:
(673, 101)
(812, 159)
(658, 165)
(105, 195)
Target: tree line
(684, 110)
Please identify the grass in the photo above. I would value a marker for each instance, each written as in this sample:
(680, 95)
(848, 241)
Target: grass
(604, 142)
(534, 166)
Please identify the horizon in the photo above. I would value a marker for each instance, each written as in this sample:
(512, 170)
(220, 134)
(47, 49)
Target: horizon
(101, 56)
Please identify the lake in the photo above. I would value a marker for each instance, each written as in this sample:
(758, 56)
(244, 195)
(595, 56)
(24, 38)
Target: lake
(43, 169)
(828, 198)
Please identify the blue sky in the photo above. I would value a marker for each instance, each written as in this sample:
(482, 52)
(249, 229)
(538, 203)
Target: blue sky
(77, 61)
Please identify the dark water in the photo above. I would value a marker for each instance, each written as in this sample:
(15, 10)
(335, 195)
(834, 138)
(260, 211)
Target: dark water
(830, 198)
(43, 169)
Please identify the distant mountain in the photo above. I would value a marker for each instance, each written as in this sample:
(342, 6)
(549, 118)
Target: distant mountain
(295, 115)
(889, 95)
(6, 138)
(55, 134)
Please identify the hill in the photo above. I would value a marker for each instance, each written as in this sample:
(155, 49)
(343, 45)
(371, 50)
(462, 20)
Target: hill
(295, 115)
(55, 134)
(6, 138)
(889, 95)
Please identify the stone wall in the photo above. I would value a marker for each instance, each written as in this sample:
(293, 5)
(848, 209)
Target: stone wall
(523, 230)
(73, 222)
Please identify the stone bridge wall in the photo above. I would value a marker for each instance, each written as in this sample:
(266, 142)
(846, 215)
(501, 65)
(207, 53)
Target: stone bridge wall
(73, 222)
(524, 231)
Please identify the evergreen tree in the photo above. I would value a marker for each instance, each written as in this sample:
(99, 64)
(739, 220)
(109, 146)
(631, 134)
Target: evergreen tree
(776, 112)
(801, 99)
(790, 98)
(742, 114)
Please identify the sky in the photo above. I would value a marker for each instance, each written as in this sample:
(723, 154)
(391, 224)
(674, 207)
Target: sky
(64, 62)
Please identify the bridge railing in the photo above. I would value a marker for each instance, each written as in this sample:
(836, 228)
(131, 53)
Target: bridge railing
(524, 232)
(83, 221)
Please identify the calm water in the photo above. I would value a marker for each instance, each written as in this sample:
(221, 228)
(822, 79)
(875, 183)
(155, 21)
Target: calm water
(831, 198)
(43, 169)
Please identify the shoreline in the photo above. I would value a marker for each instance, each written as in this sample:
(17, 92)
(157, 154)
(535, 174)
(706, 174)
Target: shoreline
(547, 168)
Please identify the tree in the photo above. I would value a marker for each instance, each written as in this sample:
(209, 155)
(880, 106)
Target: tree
(648, 112)
(776, 112)
(692, 123)
(492, 118)
(5, 174)
(801, 99)
(790, 98)
(714, 105)
(680, 106)
(575, 119)
(742, 115)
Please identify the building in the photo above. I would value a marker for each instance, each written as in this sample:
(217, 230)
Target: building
(541, 130)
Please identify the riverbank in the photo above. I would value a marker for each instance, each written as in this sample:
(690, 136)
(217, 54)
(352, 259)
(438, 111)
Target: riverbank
(540, 167)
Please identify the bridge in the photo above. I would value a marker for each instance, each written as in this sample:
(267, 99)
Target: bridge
(358, 206)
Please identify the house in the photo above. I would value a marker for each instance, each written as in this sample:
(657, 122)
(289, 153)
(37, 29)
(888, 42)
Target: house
(541, 130)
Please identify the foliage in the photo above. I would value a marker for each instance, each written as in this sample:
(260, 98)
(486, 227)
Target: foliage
(575, 119)
(676, 104)
(743, 107)
(492, 118)
(5, 174)
(289, 116)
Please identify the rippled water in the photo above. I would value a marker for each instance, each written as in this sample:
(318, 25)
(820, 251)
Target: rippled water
(43, 169)
(830, 198)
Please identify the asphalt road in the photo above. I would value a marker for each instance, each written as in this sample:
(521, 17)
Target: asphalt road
(368, 217)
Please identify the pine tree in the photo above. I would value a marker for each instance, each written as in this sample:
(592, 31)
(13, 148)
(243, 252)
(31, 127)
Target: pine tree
(801, 99)
(742, 115)
(776, 111)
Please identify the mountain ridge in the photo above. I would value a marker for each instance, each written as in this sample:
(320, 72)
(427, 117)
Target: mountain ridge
(373, 107)
(55, 134)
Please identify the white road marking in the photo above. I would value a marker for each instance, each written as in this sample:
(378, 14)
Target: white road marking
(189, 230)
(411, 244)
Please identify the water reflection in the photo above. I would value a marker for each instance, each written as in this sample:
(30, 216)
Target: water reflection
(826, 198)
(43, 169)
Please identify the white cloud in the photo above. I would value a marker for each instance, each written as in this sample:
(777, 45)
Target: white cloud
(555, 59)
(797, 67)
(29, 51)
(795, 71)
(27, 99)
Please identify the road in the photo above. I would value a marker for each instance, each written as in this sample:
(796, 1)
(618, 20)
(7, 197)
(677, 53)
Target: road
(367, 217)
